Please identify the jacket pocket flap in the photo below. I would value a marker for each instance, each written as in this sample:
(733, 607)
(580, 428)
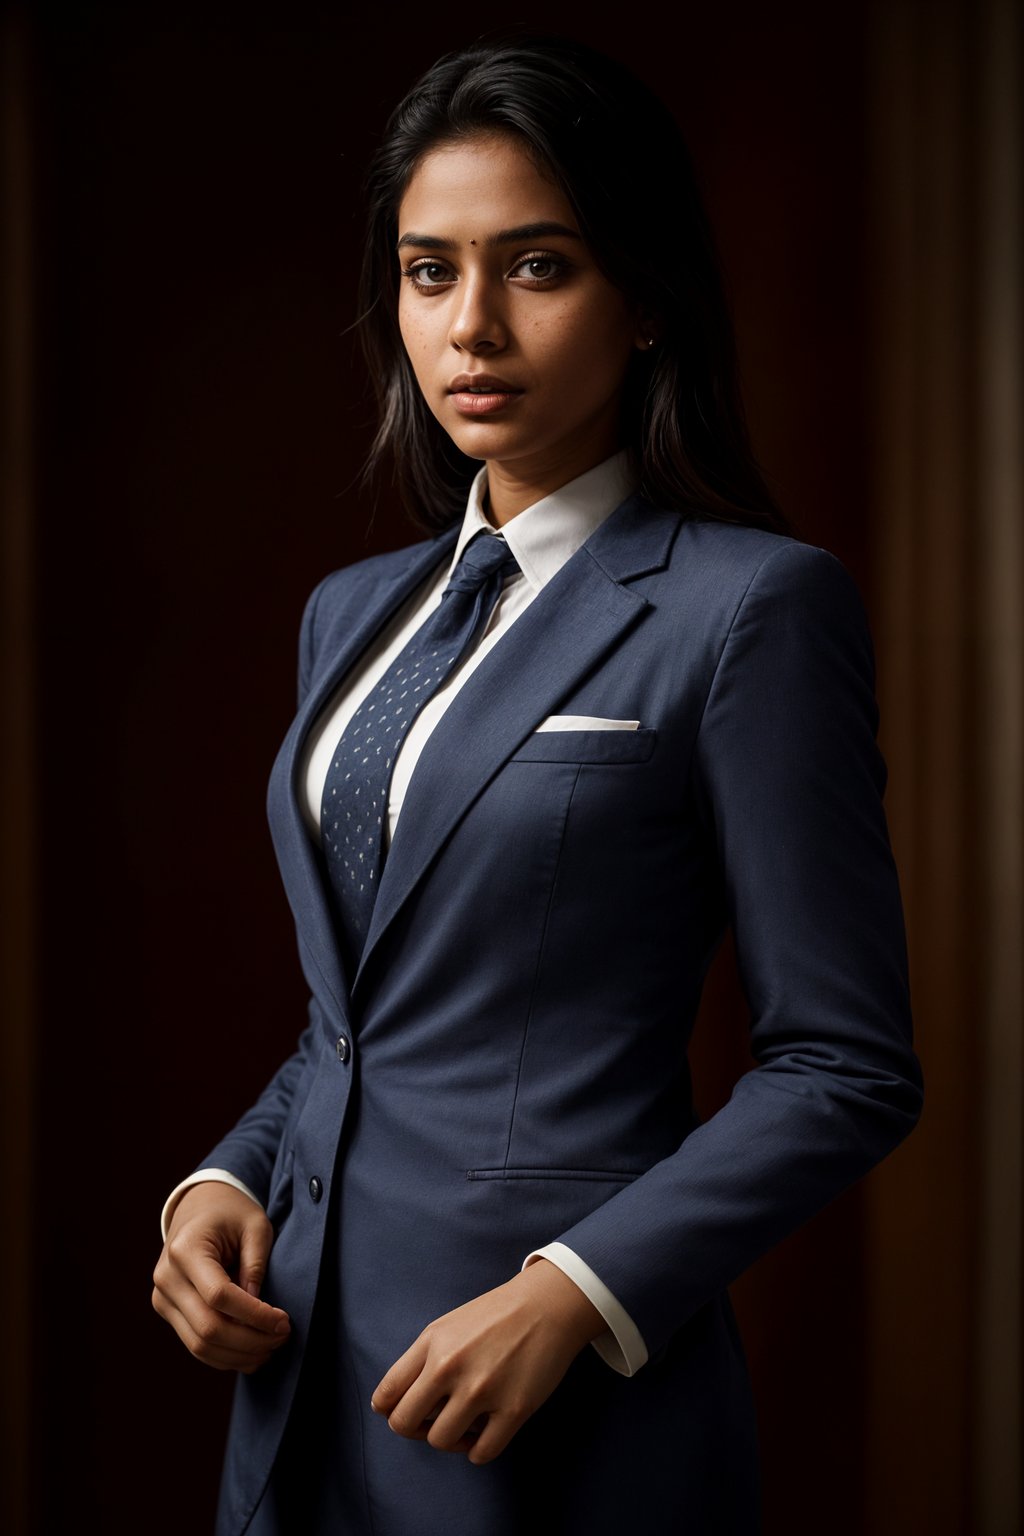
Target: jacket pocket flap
(590, 746)
(600, 1175)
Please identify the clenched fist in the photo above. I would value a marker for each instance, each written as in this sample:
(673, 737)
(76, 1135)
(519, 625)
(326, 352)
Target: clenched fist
(213, 1231)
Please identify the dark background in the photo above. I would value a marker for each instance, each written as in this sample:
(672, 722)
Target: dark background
(199, 417)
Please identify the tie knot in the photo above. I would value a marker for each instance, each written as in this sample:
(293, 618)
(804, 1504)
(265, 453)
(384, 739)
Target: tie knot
(485, 554)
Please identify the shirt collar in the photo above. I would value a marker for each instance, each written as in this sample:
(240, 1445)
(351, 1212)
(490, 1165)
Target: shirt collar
(545, 534)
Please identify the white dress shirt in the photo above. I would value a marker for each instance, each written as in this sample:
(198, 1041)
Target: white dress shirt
(542, 537)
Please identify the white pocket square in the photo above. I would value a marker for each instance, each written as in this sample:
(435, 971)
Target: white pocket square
(586, 723)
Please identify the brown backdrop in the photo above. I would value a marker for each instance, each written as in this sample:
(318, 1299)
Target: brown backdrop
(185, 417)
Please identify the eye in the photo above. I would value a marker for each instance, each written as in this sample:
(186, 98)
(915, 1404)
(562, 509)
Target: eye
(555, 267)
(421, 269)
(540, 269)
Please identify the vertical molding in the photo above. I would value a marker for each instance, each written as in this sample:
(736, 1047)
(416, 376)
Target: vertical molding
(1000, 507)
(918, 1227)
(17, 946)
(944, 1222)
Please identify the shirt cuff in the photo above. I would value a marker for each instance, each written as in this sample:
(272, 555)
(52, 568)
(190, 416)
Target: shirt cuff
(622, 1347)
(201, 1176)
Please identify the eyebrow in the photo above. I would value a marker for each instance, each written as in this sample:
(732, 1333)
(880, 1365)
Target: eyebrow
(501, 237)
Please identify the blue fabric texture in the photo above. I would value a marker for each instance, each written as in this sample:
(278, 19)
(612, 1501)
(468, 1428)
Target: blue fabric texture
(518, 1018)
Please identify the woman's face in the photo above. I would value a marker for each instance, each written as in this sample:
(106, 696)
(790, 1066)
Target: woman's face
(487, 295)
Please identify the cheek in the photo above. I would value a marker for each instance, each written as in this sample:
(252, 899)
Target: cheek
(406, 326)
(584, 344)
(415, 342)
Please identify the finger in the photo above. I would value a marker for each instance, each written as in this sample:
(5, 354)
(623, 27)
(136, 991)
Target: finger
(221, 1294)
(254, 1251)
(204, 1271)
(494, 1437)
(211, 1347)
(396, 1382)
(464, 1441)
(422, 1430)
(409, 1415)
(209, 1323)
(221, 1358)
(457, 1427)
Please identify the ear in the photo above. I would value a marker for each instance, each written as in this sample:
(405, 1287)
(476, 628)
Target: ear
(647, 329)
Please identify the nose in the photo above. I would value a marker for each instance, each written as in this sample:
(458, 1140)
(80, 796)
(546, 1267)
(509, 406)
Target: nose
(478, 323)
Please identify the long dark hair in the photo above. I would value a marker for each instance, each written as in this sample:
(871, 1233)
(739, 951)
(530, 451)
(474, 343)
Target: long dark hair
(619, 156)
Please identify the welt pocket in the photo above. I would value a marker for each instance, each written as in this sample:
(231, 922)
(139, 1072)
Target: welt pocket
(587, 746)
(603, 1175)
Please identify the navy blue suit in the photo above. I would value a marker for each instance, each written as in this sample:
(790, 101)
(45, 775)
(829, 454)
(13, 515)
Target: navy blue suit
(460, 1103)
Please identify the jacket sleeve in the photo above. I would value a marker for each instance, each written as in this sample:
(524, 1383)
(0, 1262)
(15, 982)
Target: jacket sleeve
(251, 1148)
(788, 780)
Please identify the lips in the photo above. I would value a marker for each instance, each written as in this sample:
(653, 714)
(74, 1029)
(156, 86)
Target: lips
(483, 383)
(482, 394)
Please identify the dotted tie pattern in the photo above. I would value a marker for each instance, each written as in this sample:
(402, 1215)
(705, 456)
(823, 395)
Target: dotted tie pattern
(355, 794)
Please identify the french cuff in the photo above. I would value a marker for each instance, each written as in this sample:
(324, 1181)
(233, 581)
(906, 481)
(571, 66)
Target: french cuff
(201, 1176)
(623, 1347)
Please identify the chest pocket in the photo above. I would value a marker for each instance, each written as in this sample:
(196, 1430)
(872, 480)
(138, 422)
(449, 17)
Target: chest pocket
(594, 746)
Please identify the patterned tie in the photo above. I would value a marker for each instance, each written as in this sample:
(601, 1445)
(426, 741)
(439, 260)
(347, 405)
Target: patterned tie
(355, 792)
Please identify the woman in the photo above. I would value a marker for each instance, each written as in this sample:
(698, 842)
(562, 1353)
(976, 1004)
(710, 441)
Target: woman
(605, 708)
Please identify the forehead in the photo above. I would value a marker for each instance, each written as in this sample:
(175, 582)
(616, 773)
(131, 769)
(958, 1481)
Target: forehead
(470, 187)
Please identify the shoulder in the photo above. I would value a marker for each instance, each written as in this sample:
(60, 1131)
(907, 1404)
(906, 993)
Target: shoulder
(726, 584)
(358, 575)
(786, 626)
(350, 584)
(742, 564)
(341, 596)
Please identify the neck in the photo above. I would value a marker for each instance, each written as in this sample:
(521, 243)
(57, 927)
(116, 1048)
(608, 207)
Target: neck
(508, 491)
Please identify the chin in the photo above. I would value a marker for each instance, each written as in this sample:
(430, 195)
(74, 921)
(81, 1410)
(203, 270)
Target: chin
(489, 443)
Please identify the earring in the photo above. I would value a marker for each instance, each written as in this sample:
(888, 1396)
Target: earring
(650, 341)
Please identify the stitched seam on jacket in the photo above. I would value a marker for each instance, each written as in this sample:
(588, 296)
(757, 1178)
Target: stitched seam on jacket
(319, 970)
(360, 1410)
(540, 957)
(740, 605)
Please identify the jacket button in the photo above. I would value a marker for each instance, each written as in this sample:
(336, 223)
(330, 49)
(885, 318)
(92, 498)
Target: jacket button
(316, 1189)
(342, 1048)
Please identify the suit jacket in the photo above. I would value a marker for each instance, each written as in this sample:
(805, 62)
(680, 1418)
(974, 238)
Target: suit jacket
(450, 1107)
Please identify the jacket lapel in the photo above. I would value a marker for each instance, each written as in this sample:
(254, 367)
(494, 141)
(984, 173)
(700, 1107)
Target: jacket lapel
(298, 857)
(578, 616)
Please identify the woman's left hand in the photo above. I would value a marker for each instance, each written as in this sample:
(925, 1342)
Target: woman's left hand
(489, 1364)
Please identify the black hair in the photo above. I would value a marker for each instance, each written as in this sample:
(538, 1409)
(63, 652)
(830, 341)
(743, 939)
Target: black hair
(618, 154)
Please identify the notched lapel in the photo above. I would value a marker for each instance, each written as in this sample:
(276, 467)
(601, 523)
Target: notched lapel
(297, 856)
(583, 612)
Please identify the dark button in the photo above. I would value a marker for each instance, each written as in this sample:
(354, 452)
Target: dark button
(343, 1048)
(316, 1189)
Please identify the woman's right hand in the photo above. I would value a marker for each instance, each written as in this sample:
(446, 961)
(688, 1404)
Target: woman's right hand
(214, 1227)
